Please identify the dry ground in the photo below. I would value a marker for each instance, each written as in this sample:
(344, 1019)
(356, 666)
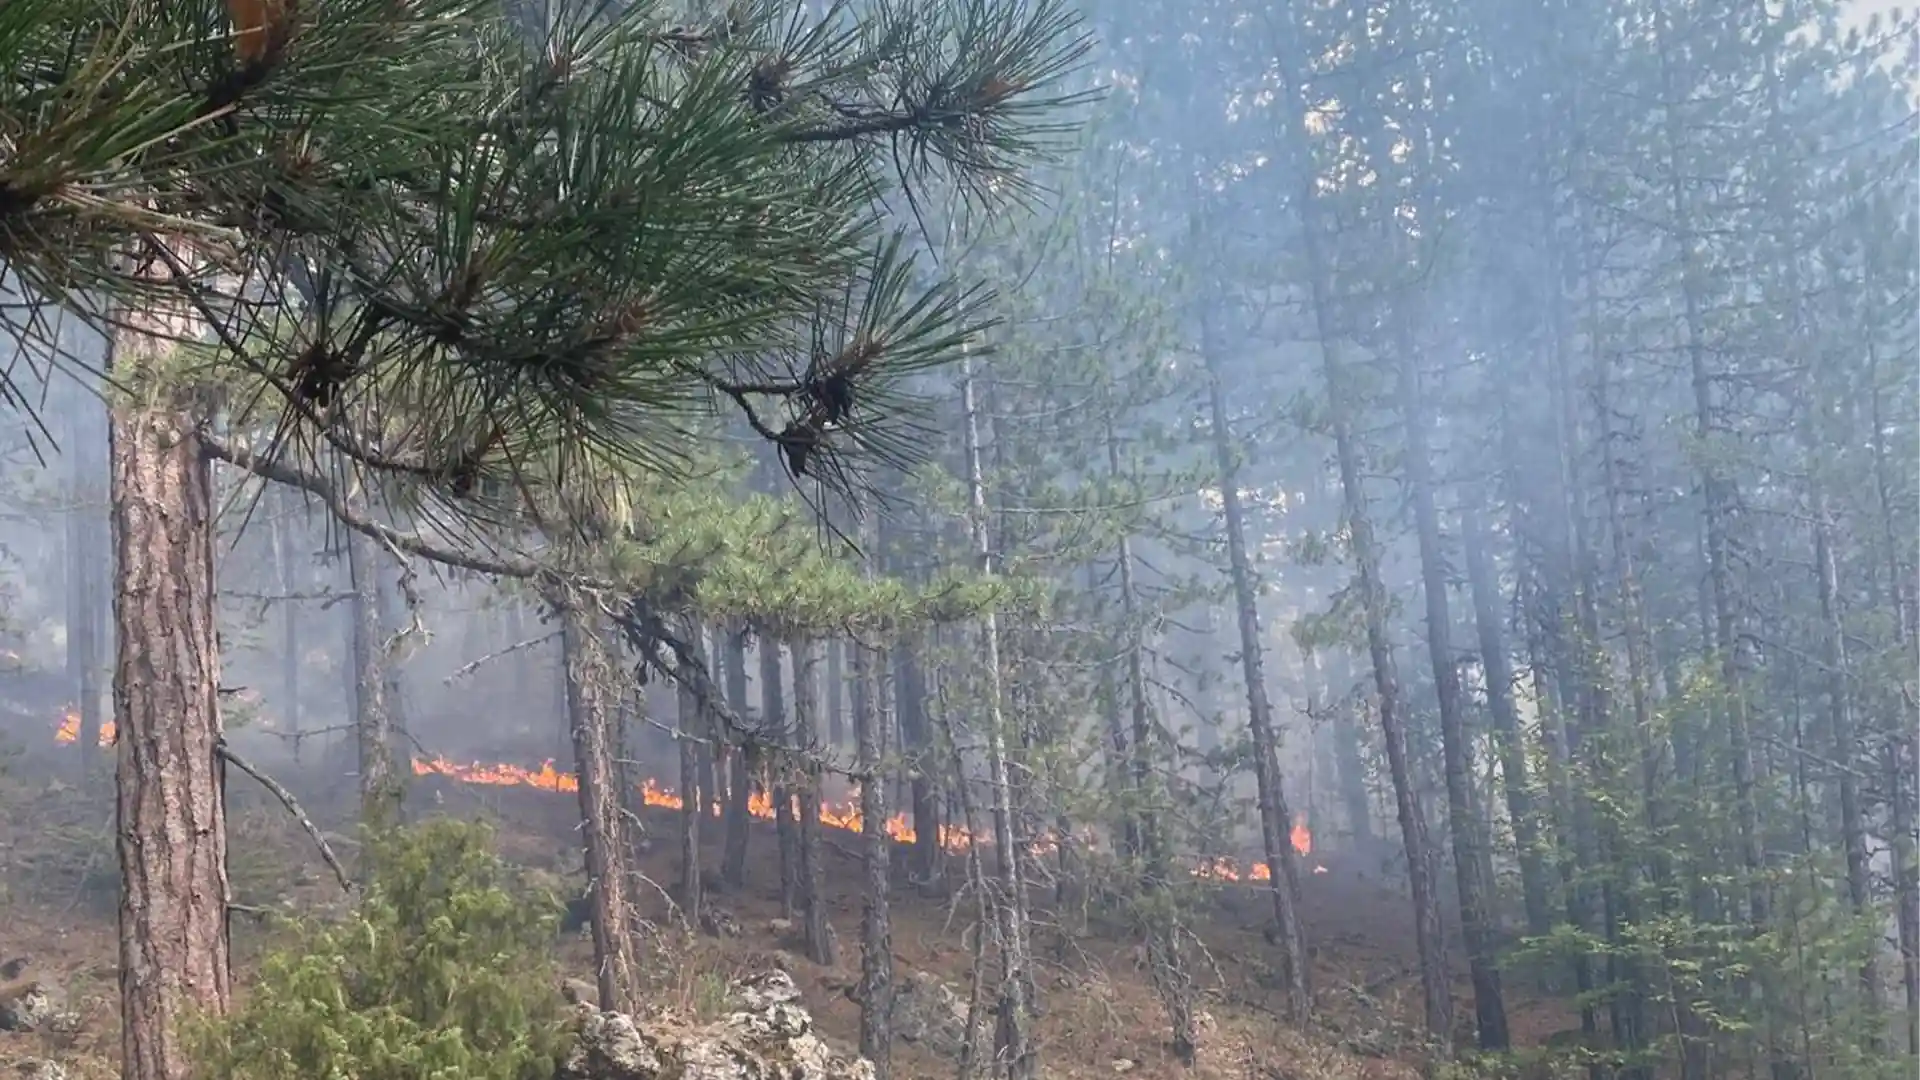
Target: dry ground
(1101, 1018)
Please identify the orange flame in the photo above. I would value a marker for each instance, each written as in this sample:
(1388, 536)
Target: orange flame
(846, 815)
(759, 804)
(69, 730)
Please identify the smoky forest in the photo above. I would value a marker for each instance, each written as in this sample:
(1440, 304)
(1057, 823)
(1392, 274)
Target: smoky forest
(986, 539)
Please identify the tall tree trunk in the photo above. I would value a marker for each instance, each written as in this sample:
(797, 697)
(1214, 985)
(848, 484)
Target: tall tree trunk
(1428, 931)
(1017, 1057)
(910, 704)
(773, 713)
(373, 729)
(876, 932)
(1509, 740)
(836, 693)
(286, 533)
(1471, 865)
(170, 814)
(394, 618)
(1172, 982)
(1717, 496)
(1903, 762)
(1276, 824)
(818, 934)
(589, 680)
(1630, 1009)
(1846, 749)
(694, 726)
(1342, 409)
(733, 867)
(1349, 749)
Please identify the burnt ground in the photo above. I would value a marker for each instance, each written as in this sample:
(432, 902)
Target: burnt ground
(58, 908)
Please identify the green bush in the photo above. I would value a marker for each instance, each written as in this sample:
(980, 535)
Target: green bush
(442, 973)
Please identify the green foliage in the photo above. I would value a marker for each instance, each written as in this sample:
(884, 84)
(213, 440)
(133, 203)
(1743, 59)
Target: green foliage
(441, 974)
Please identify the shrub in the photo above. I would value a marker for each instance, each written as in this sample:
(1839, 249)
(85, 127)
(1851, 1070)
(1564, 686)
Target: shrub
(442, 973)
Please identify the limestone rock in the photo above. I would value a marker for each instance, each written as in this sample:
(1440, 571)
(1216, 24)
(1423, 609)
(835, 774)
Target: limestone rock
(718, 923)
(926, 1011)
(35, 1006)
(761, 991)
(770, 1037)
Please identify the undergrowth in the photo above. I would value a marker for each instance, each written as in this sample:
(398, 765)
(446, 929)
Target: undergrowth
(442, 972)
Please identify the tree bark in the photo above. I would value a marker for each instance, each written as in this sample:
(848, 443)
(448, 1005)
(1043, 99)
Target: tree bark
(773, 714)
(910, 703)
(1017, 1057)
(171, 829)
(876, 933)
(733, 867)
(603, 827)
(373, 728)
(1509, 740)
(818, 933)
(1471, 865)
(1276, 824)
(836, 693)
(1846, 749)
(289, 513)
(694, 726)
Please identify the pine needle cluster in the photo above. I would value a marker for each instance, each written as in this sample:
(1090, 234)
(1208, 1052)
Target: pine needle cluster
(475, 246)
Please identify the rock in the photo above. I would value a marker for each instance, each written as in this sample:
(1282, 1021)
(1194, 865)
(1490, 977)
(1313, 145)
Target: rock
(580, 992)
(770, 1038)
(1124, 1065)
(927, 1012)
(34, 1006)
(610, 1046)
(40, 1069)
(761, 991)
(718, 923)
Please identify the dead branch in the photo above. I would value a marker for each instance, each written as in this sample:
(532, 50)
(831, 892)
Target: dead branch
(464, 670)
(293, 807)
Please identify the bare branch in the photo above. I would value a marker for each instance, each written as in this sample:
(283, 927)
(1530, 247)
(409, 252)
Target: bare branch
(467, 669)
(293, 807)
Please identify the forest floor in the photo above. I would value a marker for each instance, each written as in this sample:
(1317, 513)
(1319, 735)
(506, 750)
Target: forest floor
(57, 908)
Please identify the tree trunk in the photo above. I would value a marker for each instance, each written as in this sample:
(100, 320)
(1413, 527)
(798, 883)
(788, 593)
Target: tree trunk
(773, 713)
(876, 933)
(1903, 762)
(373, 730)
(1428, 931)
(1471, 865)
(394, 615)
(603, 828)
(1276, 825)
(733, 868)
(1846, 749)
(836, 693)
(285, 535)
(170, 829)
(1017, 1057)
(910, 703)
(1349, 751)
(1509, 741)
(694, 726)
(806, 726)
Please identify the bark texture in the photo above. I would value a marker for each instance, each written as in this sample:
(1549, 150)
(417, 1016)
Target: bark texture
(603, 826)
(171, 830)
